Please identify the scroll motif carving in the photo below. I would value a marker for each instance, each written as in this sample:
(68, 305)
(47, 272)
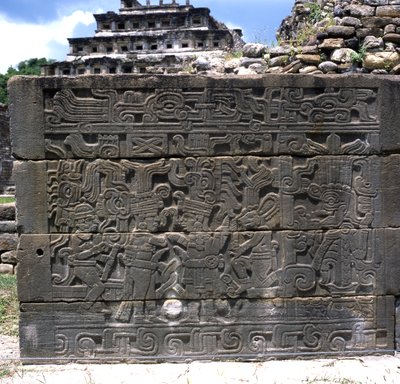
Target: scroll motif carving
(212, 194)
(146, 123)
(193, 218)
(200, 329)
(133, 267)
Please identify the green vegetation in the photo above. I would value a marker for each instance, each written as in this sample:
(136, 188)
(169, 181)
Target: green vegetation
(233, 55)
(8, 305)
(29, 67)
(7, 199)
(310, 29)
(315, 14)
(358, 57)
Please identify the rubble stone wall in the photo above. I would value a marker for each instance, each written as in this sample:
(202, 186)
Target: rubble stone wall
(340, 36)
(185, 218)
(6, 159)
(8, 239)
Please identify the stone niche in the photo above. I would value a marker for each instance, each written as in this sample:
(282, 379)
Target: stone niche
(185, 218)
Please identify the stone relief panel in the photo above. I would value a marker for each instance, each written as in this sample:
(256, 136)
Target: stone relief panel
(194, 218)
(141, 266)
(212, 194)
(148, 123)
(243, 329)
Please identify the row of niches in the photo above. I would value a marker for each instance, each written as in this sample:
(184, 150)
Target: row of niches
(84, 69)
(136, 4)
(141, 44)
(137, 23)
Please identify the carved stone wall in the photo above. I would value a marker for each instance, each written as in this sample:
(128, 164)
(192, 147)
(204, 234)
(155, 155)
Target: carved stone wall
(185, 218)
(6, 159)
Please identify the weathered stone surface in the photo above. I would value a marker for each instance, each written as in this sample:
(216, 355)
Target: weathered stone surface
(342, 55)
(388, 11)
(372, 43)
(8, 227)
(150, 130)
(174, 330)
(309, 59)
(381, 60)
(361, 33)
(340, 31)
(331, 44)
(351, 22)
(6, 269)
(309, 69)
(392, 37)
(187, 217)
(152, 196)
(7, 211)
(328, 66)
(376, 22)
(254, 50)
(225, 265)
(8, 241)
(9, 257)
(359, 10)
(279, 61)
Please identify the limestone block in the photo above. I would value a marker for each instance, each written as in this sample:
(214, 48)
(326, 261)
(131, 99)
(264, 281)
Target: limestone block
(342, 55)
(309, 59)
(254, 50)
(340, 31)
(6, 269)
(9, 257)
(7, 212)
(207, 329)
(388, 11)
(181, 217)
(155, 131)
(8, 227)
(320, 192)
(254, 265)
(351, 22)
(375, 2)
(331, 44)
(392, 37)
(372, 43)
(381, 60)
(361, 33)
(328, 66)
(357, 10)
(279, 61)
(8, 241)
(376, 22)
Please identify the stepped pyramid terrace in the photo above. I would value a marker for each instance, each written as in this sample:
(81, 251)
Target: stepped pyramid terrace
(146, 35)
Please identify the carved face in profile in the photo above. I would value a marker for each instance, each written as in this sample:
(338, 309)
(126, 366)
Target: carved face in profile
(191, 222)
(86, 224)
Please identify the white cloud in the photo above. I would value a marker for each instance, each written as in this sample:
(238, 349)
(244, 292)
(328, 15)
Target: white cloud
(22, 41)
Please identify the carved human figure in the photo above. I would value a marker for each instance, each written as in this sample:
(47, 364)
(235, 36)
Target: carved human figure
(141, 262)
(92, 265)
(201, 258)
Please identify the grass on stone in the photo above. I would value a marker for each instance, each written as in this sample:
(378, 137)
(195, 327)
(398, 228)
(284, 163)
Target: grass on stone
(8, 305)
(7, 199)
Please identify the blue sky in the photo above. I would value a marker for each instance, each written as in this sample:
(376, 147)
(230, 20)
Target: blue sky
(40, 28)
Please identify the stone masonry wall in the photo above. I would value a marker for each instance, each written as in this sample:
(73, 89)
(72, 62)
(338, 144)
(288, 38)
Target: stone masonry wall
(6, 159)
(339, 36)
(185, 218)
(8, 239)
